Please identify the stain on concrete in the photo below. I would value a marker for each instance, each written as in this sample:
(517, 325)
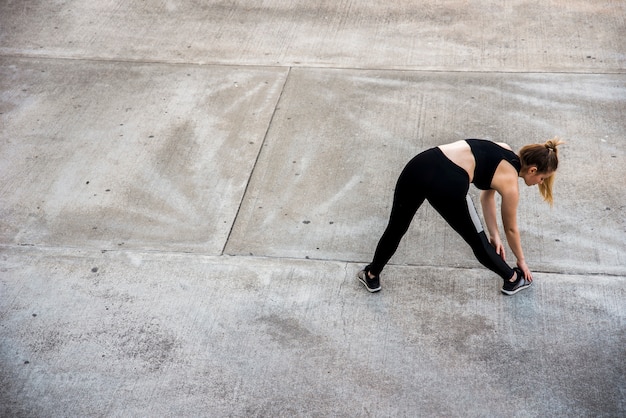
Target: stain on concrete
(150, 343)
(289, 332)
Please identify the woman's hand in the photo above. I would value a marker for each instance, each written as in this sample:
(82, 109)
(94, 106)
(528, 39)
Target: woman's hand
(527, 273)
(496, 243)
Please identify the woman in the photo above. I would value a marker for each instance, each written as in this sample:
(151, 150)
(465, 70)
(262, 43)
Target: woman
(443, 175)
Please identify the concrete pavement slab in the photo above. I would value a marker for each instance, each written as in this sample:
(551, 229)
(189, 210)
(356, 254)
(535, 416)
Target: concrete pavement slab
(110, 154)
(493, 35)
(125, 166)
(324, 181)
(143, 334)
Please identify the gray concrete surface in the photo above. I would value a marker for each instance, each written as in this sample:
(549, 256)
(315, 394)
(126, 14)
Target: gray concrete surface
(188, 189)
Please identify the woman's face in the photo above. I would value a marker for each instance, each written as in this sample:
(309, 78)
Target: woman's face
(533, 177)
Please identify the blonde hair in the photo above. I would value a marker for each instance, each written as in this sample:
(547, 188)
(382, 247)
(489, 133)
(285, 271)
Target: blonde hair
(546, 158)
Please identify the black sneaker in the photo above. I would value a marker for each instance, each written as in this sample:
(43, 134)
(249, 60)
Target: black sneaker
(372, 285)
(511, 288)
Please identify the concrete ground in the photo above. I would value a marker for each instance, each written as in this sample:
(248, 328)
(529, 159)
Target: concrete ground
(188, 189)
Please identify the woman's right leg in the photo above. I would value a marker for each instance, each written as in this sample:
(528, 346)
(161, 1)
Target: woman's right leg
(460, 213)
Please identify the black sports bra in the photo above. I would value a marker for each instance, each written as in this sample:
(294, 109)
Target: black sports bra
(488, 155)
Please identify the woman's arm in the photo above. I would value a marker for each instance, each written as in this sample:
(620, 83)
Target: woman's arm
(505, 182)
(488, 203)
(510, 200)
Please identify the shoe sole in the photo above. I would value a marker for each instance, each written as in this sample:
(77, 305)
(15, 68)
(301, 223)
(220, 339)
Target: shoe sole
(512, 292)
(369, 289)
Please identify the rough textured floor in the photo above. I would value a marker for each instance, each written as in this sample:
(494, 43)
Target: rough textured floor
(189, 188)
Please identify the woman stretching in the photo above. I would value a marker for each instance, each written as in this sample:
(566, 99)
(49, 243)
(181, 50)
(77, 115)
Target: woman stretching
(443, 175)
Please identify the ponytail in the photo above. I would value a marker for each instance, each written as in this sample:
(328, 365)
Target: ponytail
(545, 157)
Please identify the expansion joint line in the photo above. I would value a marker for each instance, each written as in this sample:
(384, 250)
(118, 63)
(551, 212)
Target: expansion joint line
(256, 161)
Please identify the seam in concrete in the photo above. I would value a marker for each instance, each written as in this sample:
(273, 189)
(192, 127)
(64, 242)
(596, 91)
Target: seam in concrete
(92, 251)
(608, 71)
(256, 161)
(133, 61)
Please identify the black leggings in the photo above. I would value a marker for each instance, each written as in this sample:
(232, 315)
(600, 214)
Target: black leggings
(431, 175)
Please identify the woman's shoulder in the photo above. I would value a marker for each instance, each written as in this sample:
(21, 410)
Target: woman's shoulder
(505, 146)
(484, 143)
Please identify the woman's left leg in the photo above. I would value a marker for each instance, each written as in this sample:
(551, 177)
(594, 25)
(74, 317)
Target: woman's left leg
(406, 201)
